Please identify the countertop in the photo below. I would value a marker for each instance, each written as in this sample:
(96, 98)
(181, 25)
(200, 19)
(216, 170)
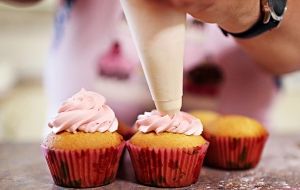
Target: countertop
(22, 166)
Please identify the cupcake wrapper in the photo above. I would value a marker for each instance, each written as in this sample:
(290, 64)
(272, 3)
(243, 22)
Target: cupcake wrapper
(83, 168)
(167, 167)
(234, 153)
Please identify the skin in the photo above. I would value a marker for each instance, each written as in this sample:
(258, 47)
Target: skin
(277, 51)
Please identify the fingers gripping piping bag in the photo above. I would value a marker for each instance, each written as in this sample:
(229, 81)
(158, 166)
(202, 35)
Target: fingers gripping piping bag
(159, 34)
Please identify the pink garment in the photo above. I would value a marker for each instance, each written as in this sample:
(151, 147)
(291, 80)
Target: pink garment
(83, 36)
(87, 28)
(246, 89)
(115, 64)
(87, 32)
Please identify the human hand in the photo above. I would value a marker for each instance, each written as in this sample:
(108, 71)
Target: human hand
(234, 16)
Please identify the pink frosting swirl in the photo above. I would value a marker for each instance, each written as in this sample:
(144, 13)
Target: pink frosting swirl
(85, 111)
(180, 122)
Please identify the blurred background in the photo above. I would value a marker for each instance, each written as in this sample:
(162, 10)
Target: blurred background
(25, 38)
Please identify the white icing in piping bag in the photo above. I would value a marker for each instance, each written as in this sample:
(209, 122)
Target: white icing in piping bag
(159, 35)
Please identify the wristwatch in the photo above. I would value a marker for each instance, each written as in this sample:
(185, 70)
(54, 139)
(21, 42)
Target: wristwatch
(272, 13)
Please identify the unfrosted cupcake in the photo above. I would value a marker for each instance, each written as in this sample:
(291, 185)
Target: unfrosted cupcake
(205, 116)
(168, 151)
(83, 149)
(236, 142)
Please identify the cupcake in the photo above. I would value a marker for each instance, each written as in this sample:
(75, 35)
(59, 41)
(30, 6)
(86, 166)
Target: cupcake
(168, 151)
(236, 142)
(205, 116)
(83, 149)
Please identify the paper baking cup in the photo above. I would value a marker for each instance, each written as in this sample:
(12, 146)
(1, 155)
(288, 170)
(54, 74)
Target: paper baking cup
(234, 153)
(83, 168)
(167, 167)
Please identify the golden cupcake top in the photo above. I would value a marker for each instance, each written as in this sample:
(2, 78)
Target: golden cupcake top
(205, 116)
(82, 140)
(166, 140)
(235, 126)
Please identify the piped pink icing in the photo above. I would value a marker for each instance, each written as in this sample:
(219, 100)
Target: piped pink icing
(85, 111)
(180, 122)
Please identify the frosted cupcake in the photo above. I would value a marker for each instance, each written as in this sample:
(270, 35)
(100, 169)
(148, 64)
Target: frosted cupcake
(83, 149)
(168, 151)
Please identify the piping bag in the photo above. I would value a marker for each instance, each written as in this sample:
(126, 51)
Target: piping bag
(158, 32)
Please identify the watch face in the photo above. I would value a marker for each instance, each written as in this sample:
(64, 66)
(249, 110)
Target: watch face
(278, 6)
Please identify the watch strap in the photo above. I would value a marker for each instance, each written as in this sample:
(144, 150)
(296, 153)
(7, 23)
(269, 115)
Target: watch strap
(263, 25)
(257, 29)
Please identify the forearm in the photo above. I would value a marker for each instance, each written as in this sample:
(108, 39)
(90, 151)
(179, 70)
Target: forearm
(278, 51)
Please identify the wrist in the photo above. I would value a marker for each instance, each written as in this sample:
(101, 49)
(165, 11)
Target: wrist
(243, 18)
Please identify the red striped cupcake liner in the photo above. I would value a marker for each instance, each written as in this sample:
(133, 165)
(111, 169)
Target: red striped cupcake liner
(83, 168)
(167, 167)
(234, 153)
